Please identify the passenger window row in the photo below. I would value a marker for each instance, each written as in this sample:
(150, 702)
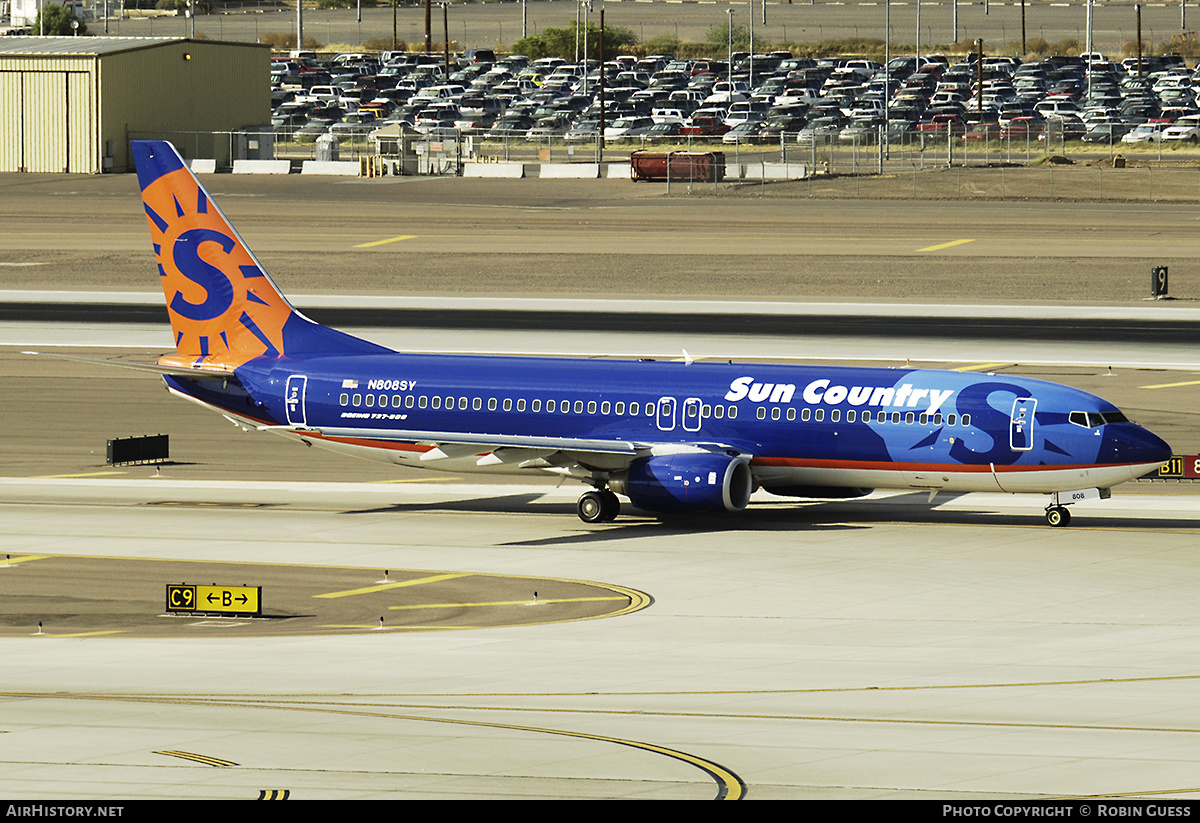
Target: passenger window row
(606, 407)
(896, 418)
(620, 408)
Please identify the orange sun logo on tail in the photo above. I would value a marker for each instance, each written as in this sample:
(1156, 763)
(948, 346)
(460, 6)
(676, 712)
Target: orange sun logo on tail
(224, 308)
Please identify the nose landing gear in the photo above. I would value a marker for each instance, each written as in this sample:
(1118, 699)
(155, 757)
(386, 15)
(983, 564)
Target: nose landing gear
(1058, 515)
(598, 506)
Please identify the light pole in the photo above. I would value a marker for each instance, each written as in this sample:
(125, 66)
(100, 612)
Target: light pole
(918, 35)
(587, 8)
(751, 84)
(729, 65)
(1089, 64)
(887, 76)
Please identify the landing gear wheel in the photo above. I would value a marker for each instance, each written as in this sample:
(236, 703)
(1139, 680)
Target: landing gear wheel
(612, 505)
(598, 506)
(1058, 516)
(592, 507)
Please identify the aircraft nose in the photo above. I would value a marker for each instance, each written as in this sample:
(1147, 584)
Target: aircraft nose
(1133, 444)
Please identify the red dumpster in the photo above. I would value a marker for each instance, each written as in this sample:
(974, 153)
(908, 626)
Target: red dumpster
(689, 166)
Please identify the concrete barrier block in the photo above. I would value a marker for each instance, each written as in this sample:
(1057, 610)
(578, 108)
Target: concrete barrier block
(779, 171)
(345, 168)
(620, 171)
(262, 166)
(200, 166)
(572, 170)
(493, 169)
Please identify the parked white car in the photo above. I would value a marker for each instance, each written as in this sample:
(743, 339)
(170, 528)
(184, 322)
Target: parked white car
(1145, 133)
(625, 128)
(1185, 128)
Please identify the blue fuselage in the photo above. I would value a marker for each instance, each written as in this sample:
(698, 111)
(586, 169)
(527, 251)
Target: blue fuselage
(802, 425)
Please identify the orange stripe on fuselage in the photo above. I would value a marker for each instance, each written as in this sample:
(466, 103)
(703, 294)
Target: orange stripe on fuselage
(876, 465)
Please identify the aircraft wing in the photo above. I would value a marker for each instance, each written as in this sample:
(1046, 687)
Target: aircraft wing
(533, 451)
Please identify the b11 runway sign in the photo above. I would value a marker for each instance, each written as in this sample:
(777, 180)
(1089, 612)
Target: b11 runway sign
(242, 600)
(1180, 467)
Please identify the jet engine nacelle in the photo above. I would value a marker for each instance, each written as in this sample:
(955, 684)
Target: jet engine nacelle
(686, 482)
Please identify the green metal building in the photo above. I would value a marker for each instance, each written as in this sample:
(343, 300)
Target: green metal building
(71, 104)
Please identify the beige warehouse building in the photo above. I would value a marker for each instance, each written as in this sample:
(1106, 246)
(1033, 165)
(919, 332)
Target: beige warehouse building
(71, 104)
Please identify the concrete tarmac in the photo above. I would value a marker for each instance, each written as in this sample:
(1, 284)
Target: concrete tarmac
(614, 239)
(883, 648)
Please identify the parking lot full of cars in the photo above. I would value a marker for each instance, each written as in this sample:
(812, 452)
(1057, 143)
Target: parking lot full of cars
(773, 99)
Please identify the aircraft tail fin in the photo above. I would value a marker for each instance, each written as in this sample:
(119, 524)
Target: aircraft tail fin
(224, 307)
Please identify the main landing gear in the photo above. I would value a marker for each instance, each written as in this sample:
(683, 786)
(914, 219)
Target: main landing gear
(598, 506)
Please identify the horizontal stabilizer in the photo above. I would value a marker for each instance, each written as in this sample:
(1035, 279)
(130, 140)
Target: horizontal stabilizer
(150, 368)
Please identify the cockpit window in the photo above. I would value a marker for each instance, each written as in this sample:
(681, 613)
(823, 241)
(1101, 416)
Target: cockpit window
(1092, 420)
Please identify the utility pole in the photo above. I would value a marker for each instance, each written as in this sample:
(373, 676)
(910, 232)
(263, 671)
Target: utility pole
(1137, 7)
(1024, 51)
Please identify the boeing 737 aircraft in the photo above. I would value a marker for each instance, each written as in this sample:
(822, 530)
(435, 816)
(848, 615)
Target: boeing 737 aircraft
(669, 436)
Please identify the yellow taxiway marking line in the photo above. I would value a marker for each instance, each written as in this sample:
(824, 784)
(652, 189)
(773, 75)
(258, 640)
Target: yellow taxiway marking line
(981, 366)
(508, 603)
(199, 758)
(385, 586)
(729, 785)
(22, 558)
(385, 242)
(947, 245)
(1172, 385)
(85, 634)
(82, 474)
(411, 629)
(438, 479)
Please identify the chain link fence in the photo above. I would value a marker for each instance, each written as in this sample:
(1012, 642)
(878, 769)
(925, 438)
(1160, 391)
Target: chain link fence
(910, 165)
